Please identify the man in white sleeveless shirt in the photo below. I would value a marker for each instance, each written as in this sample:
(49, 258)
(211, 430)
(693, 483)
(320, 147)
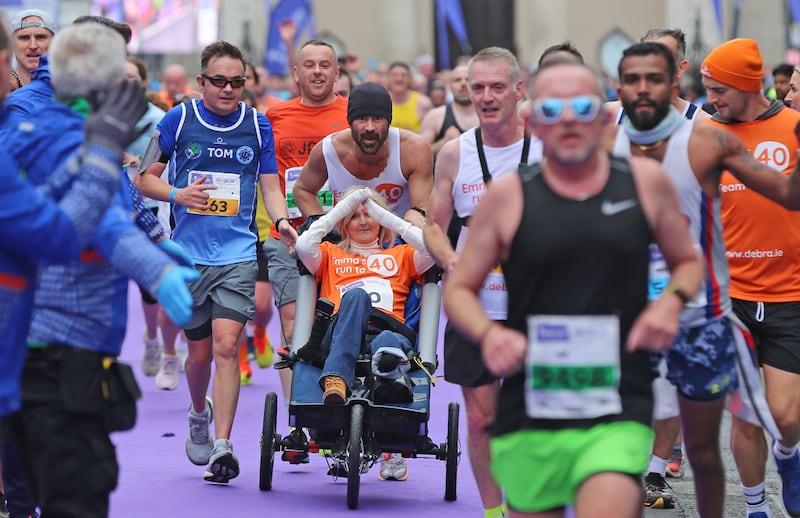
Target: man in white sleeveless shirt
(464, 168)
(396, 163)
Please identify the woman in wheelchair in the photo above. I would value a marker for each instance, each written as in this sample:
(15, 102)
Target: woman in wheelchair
(366, 271)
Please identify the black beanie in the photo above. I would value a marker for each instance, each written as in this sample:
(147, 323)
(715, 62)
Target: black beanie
(369, 99)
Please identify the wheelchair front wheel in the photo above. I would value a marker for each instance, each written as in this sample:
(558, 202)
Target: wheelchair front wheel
(453, 453)
(354, 455)
(269, 442)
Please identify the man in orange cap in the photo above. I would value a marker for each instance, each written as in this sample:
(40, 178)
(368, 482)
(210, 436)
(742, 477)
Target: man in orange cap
(762, 239)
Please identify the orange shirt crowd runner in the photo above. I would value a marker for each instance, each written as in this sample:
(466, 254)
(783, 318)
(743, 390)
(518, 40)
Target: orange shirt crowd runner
(297, 129)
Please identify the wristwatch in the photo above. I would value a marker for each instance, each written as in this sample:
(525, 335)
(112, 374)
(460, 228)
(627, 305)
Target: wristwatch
(278, 223)
(678, 292)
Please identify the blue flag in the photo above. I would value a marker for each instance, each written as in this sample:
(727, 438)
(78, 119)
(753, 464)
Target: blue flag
(717, 6)
(276, 61)
(449, 13)
(794, 7)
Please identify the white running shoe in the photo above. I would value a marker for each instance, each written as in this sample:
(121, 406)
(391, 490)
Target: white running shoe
(167, 377)
(393, 467)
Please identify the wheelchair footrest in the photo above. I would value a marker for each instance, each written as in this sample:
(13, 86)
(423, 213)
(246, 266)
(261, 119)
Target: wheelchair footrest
(295, 457)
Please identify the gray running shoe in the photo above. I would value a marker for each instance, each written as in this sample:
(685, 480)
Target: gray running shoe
(199, 444)
(224, 465)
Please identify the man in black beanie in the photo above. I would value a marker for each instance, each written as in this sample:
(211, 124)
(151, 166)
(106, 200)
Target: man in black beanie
(394, 162)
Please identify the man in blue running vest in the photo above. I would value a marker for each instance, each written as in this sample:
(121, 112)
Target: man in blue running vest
(223, 151)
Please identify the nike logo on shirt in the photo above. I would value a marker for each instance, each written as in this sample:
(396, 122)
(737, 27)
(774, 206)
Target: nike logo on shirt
(609, 208)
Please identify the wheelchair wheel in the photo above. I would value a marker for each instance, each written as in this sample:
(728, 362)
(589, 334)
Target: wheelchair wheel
(269, 441)
(453, 453)
(354, 455)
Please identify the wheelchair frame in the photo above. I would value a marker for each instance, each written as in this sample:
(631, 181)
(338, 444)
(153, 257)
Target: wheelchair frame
(360, 431)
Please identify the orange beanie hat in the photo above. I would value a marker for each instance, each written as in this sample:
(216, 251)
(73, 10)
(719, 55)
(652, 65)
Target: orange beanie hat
(736, 63)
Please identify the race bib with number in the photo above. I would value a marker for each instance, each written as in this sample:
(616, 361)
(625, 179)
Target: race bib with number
(658, 278)
(572, 367)
(493, 295)
(222, 201)
(325, 194)
(379, 290)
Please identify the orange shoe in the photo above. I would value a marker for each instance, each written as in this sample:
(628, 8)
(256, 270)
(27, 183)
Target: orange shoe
(675, 464)
(335, 390)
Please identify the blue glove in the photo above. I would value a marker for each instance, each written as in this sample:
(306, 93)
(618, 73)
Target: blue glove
(174, 296)
(176, 252)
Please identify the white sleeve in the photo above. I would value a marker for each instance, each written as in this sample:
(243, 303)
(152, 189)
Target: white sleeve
(307, 246)
(410, 234)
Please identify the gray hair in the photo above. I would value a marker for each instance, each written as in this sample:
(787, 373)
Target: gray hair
(494, 54)
(677, 34)
(86, 59)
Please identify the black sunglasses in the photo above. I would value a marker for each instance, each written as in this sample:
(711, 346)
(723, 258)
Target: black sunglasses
(222, 82)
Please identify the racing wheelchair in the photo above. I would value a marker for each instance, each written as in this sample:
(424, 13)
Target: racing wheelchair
(355, 435)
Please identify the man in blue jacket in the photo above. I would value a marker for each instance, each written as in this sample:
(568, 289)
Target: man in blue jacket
(82, 187)
(80, 308)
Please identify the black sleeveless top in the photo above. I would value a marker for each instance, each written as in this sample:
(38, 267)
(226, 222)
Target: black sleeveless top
(572, 257)
(449, 120)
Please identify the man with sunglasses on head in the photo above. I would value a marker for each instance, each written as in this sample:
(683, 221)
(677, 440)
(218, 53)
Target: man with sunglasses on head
(572, 234)
(464, 168)
(32, 32)
(702, 363)
(223, 152)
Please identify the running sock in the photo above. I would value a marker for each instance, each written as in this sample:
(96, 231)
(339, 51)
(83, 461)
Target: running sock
(495, 512)
(782, 452)
(756, 499)
(204, 413)
(657, 465)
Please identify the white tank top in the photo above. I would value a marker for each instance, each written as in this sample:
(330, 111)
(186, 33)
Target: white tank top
(705, 225)
(390, 183)
(468, 188)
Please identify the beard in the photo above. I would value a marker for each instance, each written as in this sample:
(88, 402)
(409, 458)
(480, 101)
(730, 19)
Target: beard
(463, 101)
(648, 120)
(372, 147)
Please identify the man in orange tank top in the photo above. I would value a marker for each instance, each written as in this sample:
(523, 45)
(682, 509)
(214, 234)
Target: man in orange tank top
(762, 239)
